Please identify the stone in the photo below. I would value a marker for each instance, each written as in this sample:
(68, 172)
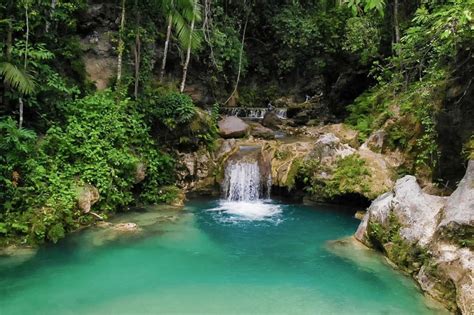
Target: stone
(380, 169)
(376, 141)
(440, 227)
(126, 227)
(459, 211)
(233, 127)
(271, 120)
(329, 147)
(259, 131)
(178, 200)
(199, 94)
(378, 212)
(359, 215)
(140, 172)
(87, 196)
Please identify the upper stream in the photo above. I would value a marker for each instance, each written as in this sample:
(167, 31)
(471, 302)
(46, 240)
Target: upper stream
(214, 257)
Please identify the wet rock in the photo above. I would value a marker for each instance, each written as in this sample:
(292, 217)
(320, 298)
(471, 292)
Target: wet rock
(271, 120)
(429, 237)
(178, 200)
(233, 127)
(87, 196)
(126, 227)
(303, 117)
(359, 215)
(16, 255)
(258, 131)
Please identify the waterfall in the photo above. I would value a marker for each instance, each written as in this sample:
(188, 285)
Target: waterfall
(246, 188)
(252, 112)
(247, 177)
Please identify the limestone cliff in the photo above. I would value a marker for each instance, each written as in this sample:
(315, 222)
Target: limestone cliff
(429, 237)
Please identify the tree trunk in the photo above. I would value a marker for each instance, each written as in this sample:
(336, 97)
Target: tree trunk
(137, 51)
(27, 37)
(165, 50)
(121, 45)
(396, 22)
(20, 108)
(188, 54)
(240, 60)
(8, 56)
(51, 12)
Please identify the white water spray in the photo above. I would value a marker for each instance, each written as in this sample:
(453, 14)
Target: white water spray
(243, 182)
(246, 189)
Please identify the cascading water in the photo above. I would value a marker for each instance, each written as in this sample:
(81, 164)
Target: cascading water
(243, 182)
(252, 112)
(246, 187)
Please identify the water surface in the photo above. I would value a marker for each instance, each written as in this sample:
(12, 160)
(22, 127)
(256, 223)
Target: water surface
(210, 259)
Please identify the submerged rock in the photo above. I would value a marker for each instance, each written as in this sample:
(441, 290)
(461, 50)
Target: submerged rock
(429, 237)
(233, 127)
(126, 227)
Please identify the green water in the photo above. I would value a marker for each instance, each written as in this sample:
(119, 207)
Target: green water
(275, 261)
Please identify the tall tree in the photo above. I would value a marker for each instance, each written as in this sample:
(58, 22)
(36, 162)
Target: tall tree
(169, 4)
(179, 13)
(137, 50)
(121, 44)
(193, 41)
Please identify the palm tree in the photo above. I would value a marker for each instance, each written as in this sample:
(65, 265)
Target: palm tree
(179, 13)
(17, 78)
(13, 76)
(193, 39)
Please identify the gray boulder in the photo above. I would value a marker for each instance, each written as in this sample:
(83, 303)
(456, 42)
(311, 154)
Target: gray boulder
(233, 127)
(458, 218)
(429, 237)
(259, 131)
(271, 120)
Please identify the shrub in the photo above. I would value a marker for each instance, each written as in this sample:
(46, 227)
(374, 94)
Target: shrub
(101, 144)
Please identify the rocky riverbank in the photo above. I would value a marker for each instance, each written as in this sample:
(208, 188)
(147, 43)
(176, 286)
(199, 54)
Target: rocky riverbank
(428, 237)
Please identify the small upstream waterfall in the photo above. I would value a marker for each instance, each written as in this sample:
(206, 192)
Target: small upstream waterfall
(252, 112)
(245, 180)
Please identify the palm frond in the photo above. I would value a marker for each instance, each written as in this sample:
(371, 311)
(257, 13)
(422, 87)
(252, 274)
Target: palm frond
(183, 33)
(17, 78)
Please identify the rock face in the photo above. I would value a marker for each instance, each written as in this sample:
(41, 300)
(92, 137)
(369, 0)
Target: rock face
(458, 215)
(87, 195)
(329, 147)
(232, 127)
(429, 237)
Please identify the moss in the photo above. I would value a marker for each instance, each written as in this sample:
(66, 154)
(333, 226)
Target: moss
(409, 257)
(350, 175)
(292, 174)
(468, 149)
(462, 235)
(282, 155)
